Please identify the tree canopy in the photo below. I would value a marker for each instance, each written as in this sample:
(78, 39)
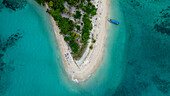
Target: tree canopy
(77, 15)
(68, 26)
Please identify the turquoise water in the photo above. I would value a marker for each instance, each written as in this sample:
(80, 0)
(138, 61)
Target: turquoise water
(136, 60)
(32, 61)
(148, 50)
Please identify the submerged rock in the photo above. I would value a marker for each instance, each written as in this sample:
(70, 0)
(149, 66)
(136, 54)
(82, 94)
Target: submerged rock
(11, 40)
(14, 4)
(162, 23)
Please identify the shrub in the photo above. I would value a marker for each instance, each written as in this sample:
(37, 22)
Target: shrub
(77, 15)
(91, 47)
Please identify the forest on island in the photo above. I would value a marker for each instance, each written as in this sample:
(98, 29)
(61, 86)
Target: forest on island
(76, 32)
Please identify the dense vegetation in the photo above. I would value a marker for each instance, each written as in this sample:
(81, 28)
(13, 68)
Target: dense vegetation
(76, 32)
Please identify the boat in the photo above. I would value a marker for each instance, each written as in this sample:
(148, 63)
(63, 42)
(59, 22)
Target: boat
(113, 21)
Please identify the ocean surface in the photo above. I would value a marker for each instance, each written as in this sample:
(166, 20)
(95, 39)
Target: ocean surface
(136, 60)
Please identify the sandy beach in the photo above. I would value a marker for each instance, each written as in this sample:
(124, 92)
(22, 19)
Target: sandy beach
(93, 60)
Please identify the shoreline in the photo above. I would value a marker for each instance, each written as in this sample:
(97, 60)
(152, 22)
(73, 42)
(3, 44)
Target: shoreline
(95, 56)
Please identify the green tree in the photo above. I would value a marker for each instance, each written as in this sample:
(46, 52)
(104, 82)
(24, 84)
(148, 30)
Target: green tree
(75, 35)
(50, 4)
(78, 27)
(77, 15)
(68, 38)
(93, 41)
(91, 47)
(93, 13)
(74, 47)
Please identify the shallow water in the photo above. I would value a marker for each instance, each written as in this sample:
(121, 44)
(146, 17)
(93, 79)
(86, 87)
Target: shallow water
(136, 60)
(31, 61)
(148, 49)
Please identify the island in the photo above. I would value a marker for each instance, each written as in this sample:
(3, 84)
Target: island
(80, 29)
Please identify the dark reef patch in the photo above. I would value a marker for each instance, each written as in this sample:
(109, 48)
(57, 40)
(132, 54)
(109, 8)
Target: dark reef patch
(162, 22)
(139, 3)
(134, 3)
(1, 6)
(11, 40)
(162, 85)
(14, 4)
(3, 75)
(6, 68)
(148, 49)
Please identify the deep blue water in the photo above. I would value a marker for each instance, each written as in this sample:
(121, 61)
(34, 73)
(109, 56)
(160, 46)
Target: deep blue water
(136, 60)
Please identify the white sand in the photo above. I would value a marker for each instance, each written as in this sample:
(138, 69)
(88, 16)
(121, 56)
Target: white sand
(94, 57)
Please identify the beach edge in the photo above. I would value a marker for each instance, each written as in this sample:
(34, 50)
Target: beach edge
(94, 59)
